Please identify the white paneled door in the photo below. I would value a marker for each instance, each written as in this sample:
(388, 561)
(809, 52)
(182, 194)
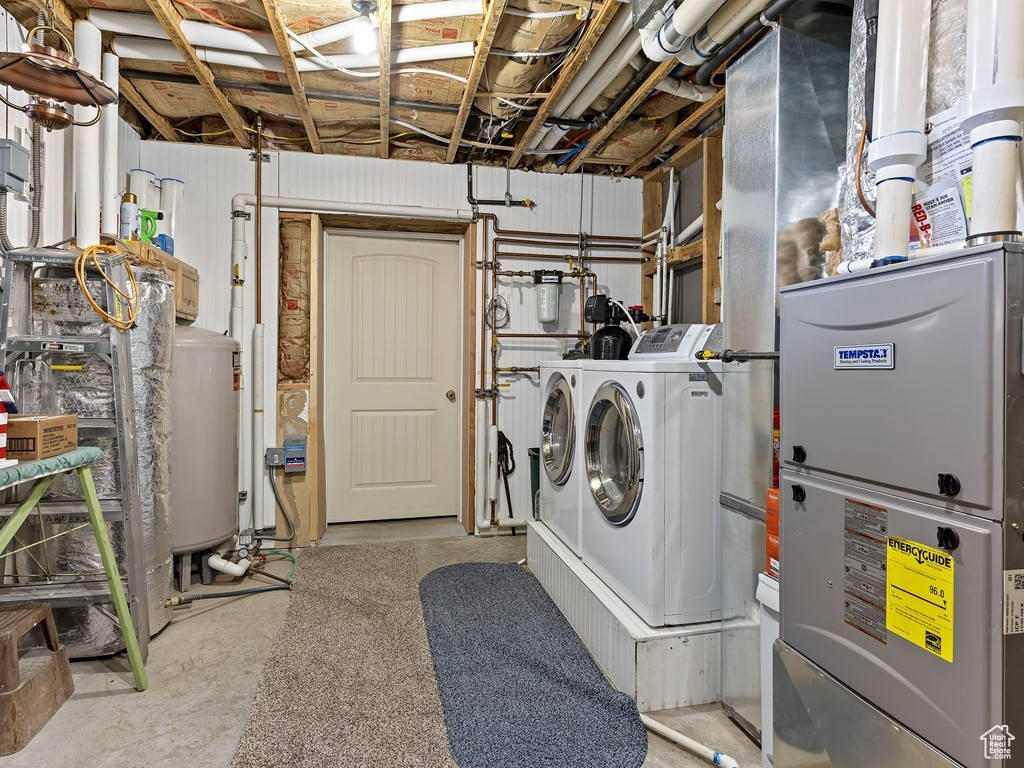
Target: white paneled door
(392, 350)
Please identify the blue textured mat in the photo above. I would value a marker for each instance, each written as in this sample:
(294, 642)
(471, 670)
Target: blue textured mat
(517, 686)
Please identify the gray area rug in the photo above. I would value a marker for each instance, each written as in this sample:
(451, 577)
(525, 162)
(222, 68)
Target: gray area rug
(518, 687)
(349, 682)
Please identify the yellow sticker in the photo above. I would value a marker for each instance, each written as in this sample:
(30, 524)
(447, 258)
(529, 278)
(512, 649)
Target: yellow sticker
(919, 587)
(968, 185)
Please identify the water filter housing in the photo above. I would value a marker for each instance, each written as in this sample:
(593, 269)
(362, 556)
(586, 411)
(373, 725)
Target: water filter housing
(549, 285)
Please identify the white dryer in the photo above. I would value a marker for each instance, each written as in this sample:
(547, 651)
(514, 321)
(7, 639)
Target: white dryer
(561, 449)
(651, 453)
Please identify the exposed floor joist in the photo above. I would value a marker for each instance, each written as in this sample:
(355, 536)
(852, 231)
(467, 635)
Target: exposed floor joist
(596, 141)
(384, 18)
(593, 34)
(488, 30)
(284, 46)
(159, 122)
(170, 20)
(685, 125)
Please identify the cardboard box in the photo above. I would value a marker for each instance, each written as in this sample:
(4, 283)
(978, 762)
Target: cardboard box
(32, 436)
(771, 511)
(771, 560)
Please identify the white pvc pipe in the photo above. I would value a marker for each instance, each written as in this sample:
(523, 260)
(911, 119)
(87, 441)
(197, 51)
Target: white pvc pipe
(689, 231)
(88, 49)
(492, 463)
(726, 22)
(218, 563)
(620, 25)
(667, 41)
(899, 145)
(512, 522)
(482, 505)
(690, 745)
(992, 110)
(523, 13)
(110, 205)
(163, 50)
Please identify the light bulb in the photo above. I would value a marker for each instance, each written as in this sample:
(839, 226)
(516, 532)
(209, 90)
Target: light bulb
(365, 38)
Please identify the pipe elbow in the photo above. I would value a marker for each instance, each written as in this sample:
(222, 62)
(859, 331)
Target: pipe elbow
(655, 46)
(238, 569)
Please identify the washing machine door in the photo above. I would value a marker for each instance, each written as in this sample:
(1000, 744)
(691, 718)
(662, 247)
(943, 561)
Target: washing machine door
(614, 452)
(558, 431)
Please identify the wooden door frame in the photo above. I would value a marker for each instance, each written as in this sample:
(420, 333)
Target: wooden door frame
(465, 233)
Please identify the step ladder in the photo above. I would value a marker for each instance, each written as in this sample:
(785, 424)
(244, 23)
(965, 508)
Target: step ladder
(19, 343)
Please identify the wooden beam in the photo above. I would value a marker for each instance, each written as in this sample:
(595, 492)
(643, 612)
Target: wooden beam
(488, 30)
(713, 173)
(598, 139)
(687, 124)
(159, 122)
(568, 74)
(686, 155)
(284, 46)
(170, 20)
(384, 17)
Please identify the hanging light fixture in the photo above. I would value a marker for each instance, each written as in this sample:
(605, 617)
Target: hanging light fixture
(365, 38)
(52, 78)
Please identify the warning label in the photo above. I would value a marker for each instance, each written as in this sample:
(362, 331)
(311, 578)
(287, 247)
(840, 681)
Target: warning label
(865, 563)
(920, 595)
(1013, 602)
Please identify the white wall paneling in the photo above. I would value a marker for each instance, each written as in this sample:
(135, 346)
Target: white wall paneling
(213, 174)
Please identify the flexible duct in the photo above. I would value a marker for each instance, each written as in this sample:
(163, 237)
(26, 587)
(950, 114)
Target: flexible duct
(88, 49)
(991, 111)
(110, 205)
(162, 50)
(899, 145)
(620, 25)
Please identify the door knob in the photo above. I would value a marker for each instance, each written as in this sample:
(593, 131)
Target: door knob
(450, 395)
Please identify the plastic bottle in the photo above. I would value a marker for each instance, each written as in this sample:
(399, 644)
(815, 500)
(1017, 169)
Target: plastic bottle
(128, 220)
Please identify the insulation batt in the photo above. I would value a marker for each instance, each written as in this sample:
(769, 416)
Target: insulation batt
(58, 308)
(293, 302)
(946, 68)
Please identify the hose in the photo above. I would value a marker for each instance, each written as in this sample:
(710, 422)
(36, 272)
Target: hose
(290, 555)
(767, 19)
(120, 321)
(280, 505)
(193, 597)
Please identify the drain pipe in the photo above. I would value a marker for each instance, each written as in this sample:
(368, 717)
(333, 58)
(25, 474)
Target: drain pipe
(88, 49)
(725, 24)
(218, 563)
(991, 111)
(690, 745)
(110, 205)
(661, 44)
(899, 145)
(239, 253)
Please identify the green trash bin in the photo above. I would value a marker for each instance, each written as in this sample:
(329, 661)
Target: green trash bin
(534, 454)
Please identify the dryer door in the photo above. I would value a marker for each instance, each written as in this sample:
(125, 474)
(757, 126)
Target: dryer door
(558, 431)
(614, 454)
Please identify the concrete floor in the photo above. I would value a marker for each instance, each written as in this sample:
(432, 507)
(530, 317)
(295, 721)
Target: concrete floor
(204, 668)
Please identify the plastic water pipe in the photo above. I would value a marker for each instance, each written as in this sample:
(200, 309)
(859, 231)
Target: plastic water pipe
(720, 28)
(238, 569)
(690, 745)
(110, 204)
(482, 512)
(88, 49)
(991, 111)
(899, 145)
(403, 13)
(163, 50)
(664, 42)
(620, 25)
(239, 253)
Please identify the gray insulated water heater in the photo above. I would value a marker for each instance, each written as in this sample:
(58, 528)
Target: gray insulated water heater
(204, 444)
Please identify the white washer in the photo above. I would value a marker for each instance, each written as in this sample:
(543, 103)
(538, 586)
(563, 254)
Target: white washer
(561, 444)
(651, 454)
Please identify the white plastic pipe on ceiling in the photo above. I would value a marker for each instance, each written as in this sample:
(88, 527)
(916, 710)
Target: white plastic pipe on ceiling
(620, 25)
(161, 50)
(661, 44)
(110, 204)
(676, 87)
(208, 35)
(720, 28)
(899, 144)
(991, 112)
(239, 253)
(86, 142)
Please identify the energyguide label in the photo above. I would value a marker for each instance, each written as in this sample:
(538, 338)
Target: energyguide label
(920, 585)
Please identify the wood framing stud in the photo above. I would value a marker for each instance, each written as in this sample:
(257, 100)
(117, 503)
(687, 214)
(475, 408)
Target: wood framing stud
(483, 49)
(279, 28)
(572, 66)
(598, 139)
(384, 18)
(687, 124)
(170, 20)
(160, 123)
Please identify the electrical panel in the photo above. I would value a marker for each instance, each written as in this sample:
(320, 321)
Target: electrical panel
(14, 167)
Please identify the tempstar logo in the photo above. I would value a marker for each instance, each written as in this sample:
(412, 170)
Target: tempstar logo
(865, 356)
(997, 743)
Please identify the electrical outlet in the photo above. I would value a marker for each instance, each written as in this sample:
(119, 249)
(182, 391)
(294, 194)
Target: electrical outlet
(275, 457)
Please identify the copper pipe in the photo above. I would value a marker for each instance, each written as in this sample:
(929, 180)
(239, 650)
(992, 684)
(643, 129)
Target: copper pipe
(539, 336)
(572, 257)
(520, 369)
(483, 306)
(548, 244)
(259, 219)
(572, 236)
